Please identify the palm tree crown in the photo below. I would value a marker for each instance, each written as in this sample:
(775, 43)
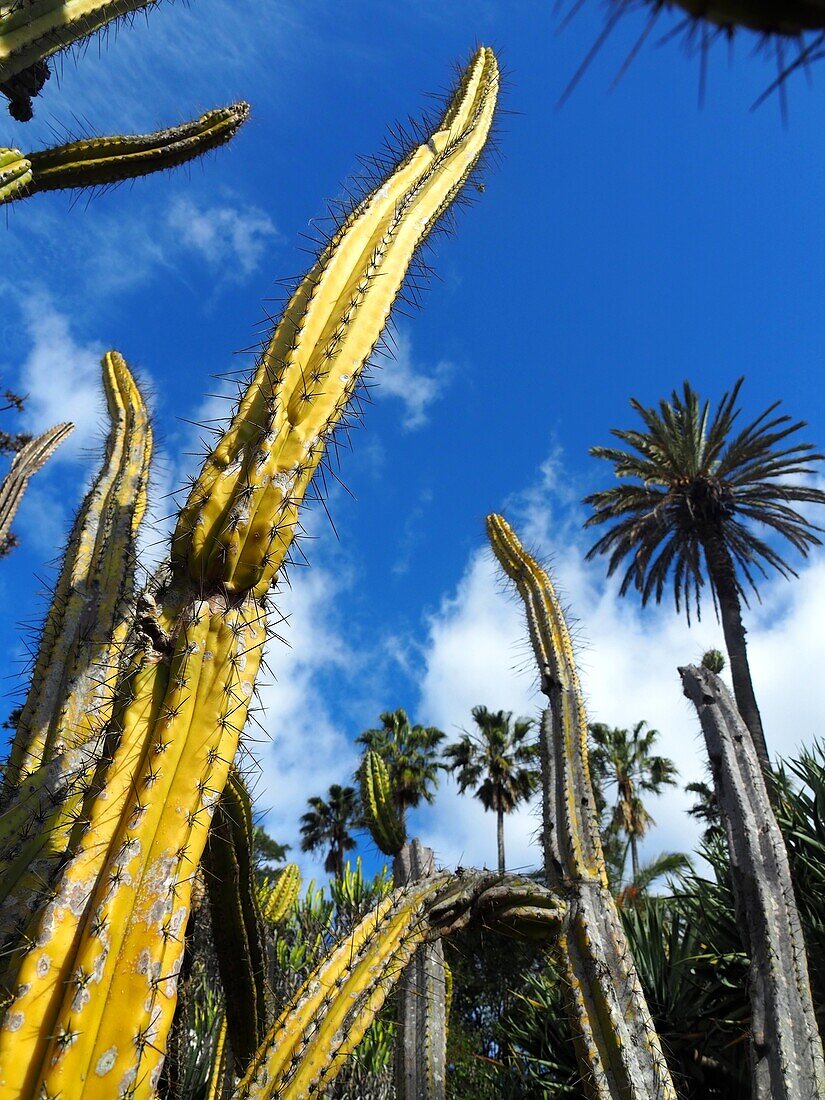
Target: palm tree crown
(623, 759)
(327, 826)
(691, 491)
(498, 762)
(410, 753)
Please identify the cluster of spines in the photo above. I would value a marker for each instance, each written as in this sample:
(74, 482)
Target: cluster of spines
(787, 1058)
(113, 927)
(382, 818)
(616, 1039)
(103, 161)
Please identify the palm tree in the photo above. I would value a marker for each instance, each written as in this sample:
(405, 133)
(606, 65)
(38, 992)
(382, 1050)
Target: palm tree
(327, 826)
(693, 491)
(624, 759)
(498, 762)
(410, 753)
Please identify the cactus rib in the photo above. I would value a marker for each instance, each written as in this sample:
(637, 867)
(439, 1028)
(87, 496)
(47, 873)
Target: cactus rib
(99, 162)
(383, 820)
(260, 470)
(33, 30)
(616, 1039)
(110, 938)
(786, 1050)
(28, 460)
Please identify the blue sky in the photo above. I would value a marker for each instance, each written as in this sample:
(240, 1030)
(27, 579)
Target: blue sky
(623, 243)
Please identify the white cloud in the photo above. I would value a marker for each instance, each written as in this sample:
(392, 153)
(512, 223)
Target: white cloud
(416, 387)
(478, 653)
(226, 236)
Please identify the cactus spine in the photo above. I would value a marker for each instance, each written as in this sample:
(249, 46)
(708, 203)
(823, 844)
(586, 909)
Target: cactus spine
(383, 820)
(107, 946)
(616, 1039)
(28, 460)
(99, 162)
(786, 1050)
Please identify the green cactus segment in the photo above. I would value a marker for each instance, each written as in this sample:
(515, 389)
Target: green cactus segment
(236, 919)
(15, 174)
(277, 900)
(239, 521)
(31, 30)
(383, 821)
(615, 1036)
(112, 935)
(26, 462)
(73, 682)
(786, 1050)
(106, 160)
(785, 17)
(333, 1009)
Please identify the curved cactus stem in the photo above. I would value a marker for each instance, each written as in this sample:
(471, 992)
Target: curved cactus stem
(240, 518)
(237, 924)
(786, 1050)
(331, 1012)
(28, 460)
(104, 952)
(15, 175)
(99, 162)
(277, 900)
(616, 1038)
(421, 1038)
(32, 30)
(383, 820)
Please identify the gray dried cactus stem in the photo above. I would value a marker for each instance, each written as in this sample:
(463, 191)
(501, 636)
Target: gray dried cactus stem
(786, 1050)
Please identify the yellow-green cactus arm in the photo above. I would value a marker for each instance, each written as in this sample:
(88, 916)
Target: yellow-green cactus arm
(277, 900)
(240, 518)
(98, 162)
(217, 1075)
(616, 1039)
(237, 923)
(28, 460)
(73, 680)
(383, 820)
(15, 174)
(31, 30)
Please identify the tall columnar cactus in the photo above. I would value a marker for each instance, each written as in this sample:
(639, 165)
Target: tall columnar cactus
(616, 1040)
(28, 460)
(237, 922)
(382, 818)
(99, 162)
(59, 731)
(331, 1012)
(786, 1050)
(95, 977)
(421, 1042)
(277, 899)
(33, 30)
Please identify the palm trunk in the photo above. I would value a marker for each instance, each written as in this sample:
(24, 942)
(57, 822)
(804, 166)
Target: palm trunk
(500, 816)
(723, 577)
(634, 857)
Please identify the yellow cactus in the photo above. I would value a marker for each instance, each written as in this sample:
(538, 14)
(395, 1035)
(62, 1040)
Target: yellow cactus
(94, 980)
(278, 898)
